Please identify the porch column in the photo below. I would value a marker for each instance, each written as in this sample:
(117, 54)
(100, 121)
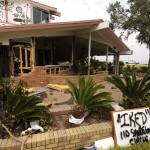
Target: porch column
(114, 58)
(72, 50)
(21, 61)
(117, 63)
(89, 53)
(32, 53)
(107, 58)
(26, 57)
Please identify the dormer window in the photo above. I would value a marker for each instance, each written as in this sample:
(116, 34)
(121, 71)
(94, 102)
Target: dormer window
(40, 15)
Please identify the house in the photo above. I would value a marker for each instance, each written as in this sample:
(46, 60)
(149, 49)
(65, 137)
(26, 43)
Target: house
(28, 39)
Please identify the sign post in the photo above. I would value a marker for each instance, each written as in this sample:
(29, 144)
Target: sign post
(131, 126)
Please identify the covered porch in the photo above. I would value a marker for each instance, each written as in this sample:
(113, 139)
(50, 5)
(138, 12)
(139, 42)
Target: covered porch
(53, 44)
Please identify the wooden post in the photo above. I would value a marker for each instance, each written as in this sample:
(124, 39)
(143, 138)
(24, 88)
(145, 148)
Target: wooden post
(20, 48)
(32, 56)
(26, 57)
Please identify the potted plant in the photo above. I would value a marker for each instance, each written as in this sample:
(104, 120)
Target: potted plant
(87, 97)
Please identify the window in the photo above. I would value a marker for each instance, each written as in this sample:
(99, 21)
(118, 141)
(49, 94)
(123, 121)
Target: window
(40, 16)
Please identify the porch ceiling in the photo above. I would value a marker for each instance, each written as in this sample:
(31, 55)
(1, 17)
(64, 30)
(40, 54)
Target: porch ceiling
(102, 35)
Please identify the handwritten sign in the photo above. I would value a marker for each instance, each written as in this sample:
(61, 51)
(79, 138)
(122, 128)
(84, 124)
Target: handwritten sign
(131, 126)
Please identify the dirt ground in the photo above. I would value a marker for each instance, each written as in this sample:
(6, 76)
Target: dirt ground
(56, 97)
(60, 99)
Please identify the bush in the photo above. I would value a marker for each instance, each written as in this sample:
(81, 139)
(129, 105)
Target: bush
(81, 66)
(144, 69)
(136, 93)
(17, 108)
(87, 96)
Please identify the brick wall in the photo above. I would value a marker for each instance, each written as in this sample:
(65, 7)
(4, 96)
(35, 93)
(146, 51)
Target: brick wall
(66, 139)
(38, 77)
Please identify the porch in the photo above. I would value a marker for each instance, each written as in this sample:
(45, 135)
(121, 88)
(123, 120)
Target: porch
(51, 45)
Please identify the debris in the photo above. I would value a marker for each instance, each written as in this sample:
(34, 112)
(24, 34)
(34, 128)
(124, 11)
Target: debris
(89, 148)
(39, 92)
(58, 87)
(34, 127)
(30, 90)
(116, 106)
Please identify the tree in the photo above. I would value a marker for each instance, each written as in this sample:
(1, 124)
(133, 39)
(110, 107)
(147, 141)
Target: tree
(135, 18)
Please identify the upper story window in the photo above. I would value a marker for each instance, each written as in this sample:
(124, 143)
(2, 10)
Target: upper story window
(40, 16)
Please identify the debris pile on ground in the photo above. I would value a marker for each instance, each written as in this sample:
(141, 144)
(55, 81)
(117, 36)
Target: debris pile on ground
(58, 87)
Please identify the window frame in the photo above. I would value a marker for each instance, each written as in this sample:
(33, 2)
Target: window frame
(41, 15)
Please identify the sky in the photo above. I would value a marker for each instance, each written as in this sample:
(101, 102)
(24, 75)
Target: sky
(74, 10)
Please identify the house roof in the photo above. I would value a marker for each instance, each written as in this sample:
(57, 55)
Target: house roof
(53, 10)
(54, 25)
(101, 33)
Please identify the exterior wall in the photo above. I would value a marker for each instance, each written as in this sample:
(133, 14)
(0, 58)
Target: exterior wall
(2, 12)
(15, 12)
(38, 77)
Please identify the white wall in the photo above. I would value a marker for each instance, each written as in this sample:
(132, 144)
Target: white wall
(17, 11)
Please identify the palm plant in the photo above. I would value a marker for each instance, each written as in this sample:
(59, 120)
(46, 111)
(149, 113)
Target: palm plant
(17, 108)
(87, 97)
(136, 92)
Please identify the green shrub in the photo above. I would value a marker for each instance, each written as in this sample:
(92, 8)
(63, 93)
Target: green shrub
(143, 69)
(88, 97)
(17, 108)
(81, 66)
(136, 92)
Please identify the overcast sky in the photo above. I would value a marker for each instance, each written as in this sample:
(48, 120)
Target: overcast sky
(73, 10)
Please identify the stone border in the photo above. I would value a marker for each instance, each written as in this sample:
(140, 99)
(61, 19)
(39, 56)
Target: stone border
(67, 139)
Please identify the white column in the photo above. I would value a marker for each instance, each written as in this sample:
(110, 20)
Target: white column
(107, 58)
(89, 53)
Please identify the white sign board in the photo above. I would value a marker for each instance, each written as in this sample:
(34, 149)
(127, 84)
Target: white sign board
(131, 126)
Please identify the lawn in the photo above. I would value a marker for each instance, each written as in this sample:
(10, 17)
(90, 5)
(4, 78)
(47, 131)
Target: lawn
(137, 146)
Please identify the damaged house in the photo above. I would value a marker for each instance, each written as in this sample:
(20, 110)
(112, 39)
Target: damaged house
(30, 44)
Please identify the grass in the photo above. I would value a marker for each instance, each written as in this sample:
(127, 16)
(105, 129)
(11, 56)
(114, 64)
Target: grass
(137, 146)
